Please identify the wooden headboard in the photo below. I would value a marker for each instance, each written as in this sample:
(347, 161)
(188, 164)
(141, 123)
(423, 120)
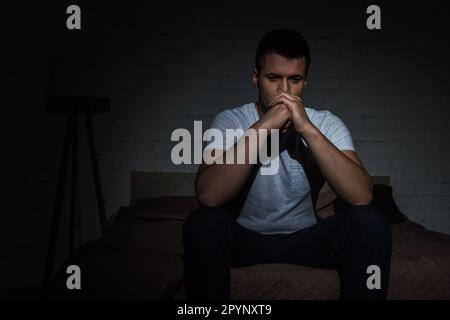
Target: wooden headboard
(158, 184)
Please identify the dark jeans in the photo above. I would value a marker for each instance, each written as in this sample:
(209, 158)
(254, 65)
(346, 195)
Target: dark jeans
(349, 241)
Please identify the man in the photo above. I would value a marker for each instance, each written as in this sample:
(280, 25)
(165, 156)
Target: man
(276, 220)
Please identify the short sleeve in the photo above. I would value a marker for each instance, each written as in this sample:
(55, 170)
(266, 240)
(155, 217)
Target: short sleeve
(337, 132)
(222, 121)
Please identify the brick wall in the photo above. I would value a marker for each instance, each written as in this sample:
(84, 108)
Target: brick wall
(169, 66)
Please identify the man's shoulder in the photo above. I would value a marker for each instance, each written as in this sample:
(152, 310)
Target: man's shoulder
(239, 114)
(321, 118)
(317, 111)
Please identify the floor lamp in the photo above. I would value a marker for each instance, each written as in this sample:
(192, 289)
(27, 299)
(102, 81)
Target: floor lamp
(73, 108)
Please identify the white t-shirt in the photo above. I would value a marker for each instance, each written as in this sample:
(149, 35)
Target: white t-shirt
(280, 203)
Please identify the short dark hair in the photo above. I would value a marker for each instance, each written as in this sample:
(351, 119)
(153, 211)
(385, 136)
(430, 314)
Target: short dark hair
(285, 42)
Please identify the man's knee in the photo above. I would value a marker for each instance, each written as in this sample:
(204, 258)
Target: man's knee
(206, 220)
(369, 219)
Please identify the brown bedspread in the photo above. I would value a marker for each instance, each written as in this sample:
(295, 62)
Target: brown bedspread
(141, 257)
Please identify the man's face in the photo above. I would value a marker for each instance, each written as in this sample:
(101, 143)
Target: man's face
(278, 74)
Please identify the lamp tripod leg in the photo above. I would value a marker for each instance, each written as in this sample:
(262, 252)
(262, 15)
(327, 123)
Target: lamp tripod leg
(98, 189)
(58, 203)
(73, 183)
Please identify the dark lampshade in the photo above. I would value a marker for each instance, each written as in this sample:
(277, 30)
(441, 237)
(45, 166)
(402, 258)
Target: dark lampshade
(77, 82)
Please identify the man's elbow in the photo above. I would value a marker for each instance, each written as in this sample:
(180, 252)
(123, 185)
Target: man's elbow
(362, 200)
(206, 200)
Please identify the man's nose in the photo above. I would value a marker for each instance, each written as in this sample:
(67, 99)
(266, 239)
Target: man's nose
(284, 86)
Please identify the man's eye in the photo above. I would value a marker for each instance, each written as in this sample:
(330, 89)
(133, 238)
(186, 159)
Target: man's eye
(295, 80)
(272, 78)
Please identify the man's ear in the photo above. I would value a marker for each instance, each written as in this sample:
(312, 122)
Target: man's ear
(255, 77)
(304, 85)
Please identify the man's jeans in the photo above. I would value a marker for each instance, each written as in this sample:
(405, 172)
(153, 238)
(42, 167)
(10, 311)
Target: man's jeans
(349, 241)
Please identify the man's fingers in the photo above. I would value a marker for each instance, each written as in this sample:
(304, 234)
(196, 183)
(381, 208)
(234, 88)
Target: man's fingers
(271, 102)
(287, 96)
(276, 97)
(286, 126)
(285, 101)
(289, 115)
(281, 99)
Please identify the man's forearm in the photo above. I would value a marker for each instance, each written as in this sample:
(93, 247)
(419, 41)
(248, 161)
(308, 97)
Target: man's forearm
(218, 183)
(349, 180)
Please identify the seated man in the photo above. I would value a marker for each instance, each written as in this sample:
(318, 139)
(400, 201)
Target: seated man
(248, 218)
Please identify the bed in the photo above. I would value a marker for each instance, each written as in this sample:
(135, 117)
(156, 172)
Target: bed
(141, 254)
